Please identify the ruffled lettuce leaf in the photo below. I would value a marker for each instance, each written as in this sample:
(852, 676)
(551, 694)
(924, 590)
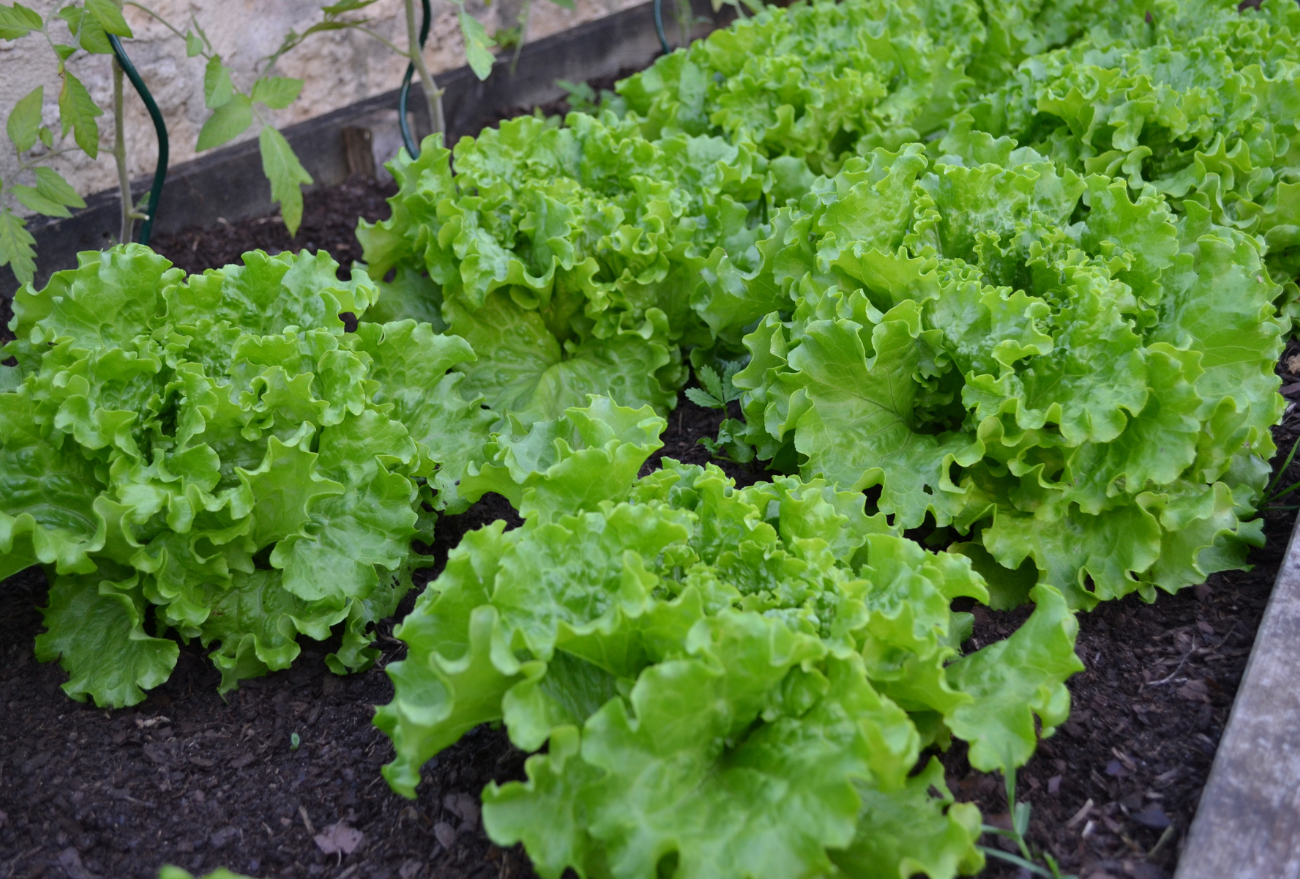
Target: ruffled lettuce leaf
(701, 662)
(217, 456)
(1042, 361)
(96, 632)
(549, 468)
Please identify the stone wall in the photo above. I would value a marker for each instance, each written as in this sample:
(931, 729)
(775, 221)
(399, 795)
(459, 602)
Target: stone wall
(338, 67)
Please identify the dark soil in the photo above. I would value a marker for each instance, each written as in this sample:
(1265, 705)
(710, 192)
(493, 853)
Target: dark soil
(329, 222)
(189, 778)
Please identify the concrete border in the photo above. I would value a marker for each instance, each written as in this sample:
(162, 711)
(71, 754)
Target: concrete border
(228, 183)
(1248, 823)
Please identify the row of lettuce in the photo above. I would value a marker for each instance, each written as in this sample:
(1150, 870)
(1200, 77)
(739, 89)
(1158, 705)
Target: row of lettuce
(1016, 274)
(216, 456)
(1047, 324)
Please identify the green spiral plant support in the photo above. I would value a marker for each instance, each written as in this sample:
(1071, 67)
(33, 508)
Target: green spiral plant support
(659, 27)
(407, 139)
(160, 127)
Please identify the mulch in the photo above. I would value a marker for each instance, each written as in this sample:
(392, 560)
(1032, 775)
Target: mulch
(190, 778)
(329, 221)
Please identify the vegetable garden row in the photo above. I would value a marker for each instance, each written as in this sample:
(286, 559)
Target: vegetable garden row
(997, 289)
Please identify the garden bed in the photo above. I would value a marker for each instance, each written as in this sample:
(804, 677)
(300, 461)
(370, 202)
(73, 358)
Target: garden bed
(190, 778)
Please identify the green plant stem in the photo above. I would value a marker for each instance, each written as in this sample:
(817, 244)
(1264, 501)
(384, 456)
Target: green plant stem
(432, 95)
(1018, 861)
(381, 38)
(126, 233)
(522, 22)
(1281, 471)
(1284, 492)
(158, 18)
(43, 158)
(684, 23)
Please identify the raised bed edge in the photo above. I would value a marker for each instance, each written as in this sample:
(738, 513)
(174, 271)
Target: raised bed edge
(1248, 823)
(228, 183)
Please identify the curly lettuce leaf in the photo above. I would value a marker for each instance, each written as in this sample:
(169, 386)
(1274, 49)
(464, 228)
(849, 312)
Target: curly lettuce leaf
(410, 364)
(95, 629)
(658, 784)
(1015, 681)
(701, 662)
(913, 831)
(48, 491)
(221, 444)
(549, 469)
(1049, 365)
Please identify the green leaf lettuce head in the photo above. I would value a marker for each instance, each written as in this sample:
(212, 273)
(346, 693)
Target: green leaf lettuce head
(732, 681)
(1068, 373)
(1202, 105)
(568, 256)
(824, 81)
(216, 456)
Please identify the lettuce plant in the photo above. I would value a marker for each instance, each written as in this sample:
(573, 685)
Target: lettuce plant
(568, 257)
(727, 682)
(216, 456)
(1078, 380)
(828, 80)
(1201, 104)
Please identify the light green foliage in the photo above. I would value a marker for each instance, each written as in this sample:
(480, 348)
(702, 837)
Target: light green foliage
(228, 121)
(17, 246)
(1063, 371)
(18, 21)
(214, 455)
(277, 92)
(51, 196)
(1201, 104)
(25, 120)
(569, 257)
(32, 140)
(826, 80)
(736, 682)
(478, 45)
(77, 113)
(170, 872)
(715, 390)
(539, 468)
(234, 110)
(286, 174)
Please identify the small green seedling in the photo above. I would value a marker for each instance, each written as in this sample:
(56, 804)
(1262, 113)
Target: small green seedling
(716, 391)
(294, 741)
(1274, 492)
(1019, 827)
(582, 97)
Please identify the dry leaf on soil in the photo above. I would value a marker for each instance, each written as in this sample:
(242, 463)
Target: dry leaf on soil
(339, 839)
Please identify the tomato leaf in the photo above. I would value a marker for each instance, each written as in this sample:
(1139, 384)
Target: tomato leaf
(77, 112)
(276, 92)
(286, 175)
(25, 120)
(227, 122)
(17, 246)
